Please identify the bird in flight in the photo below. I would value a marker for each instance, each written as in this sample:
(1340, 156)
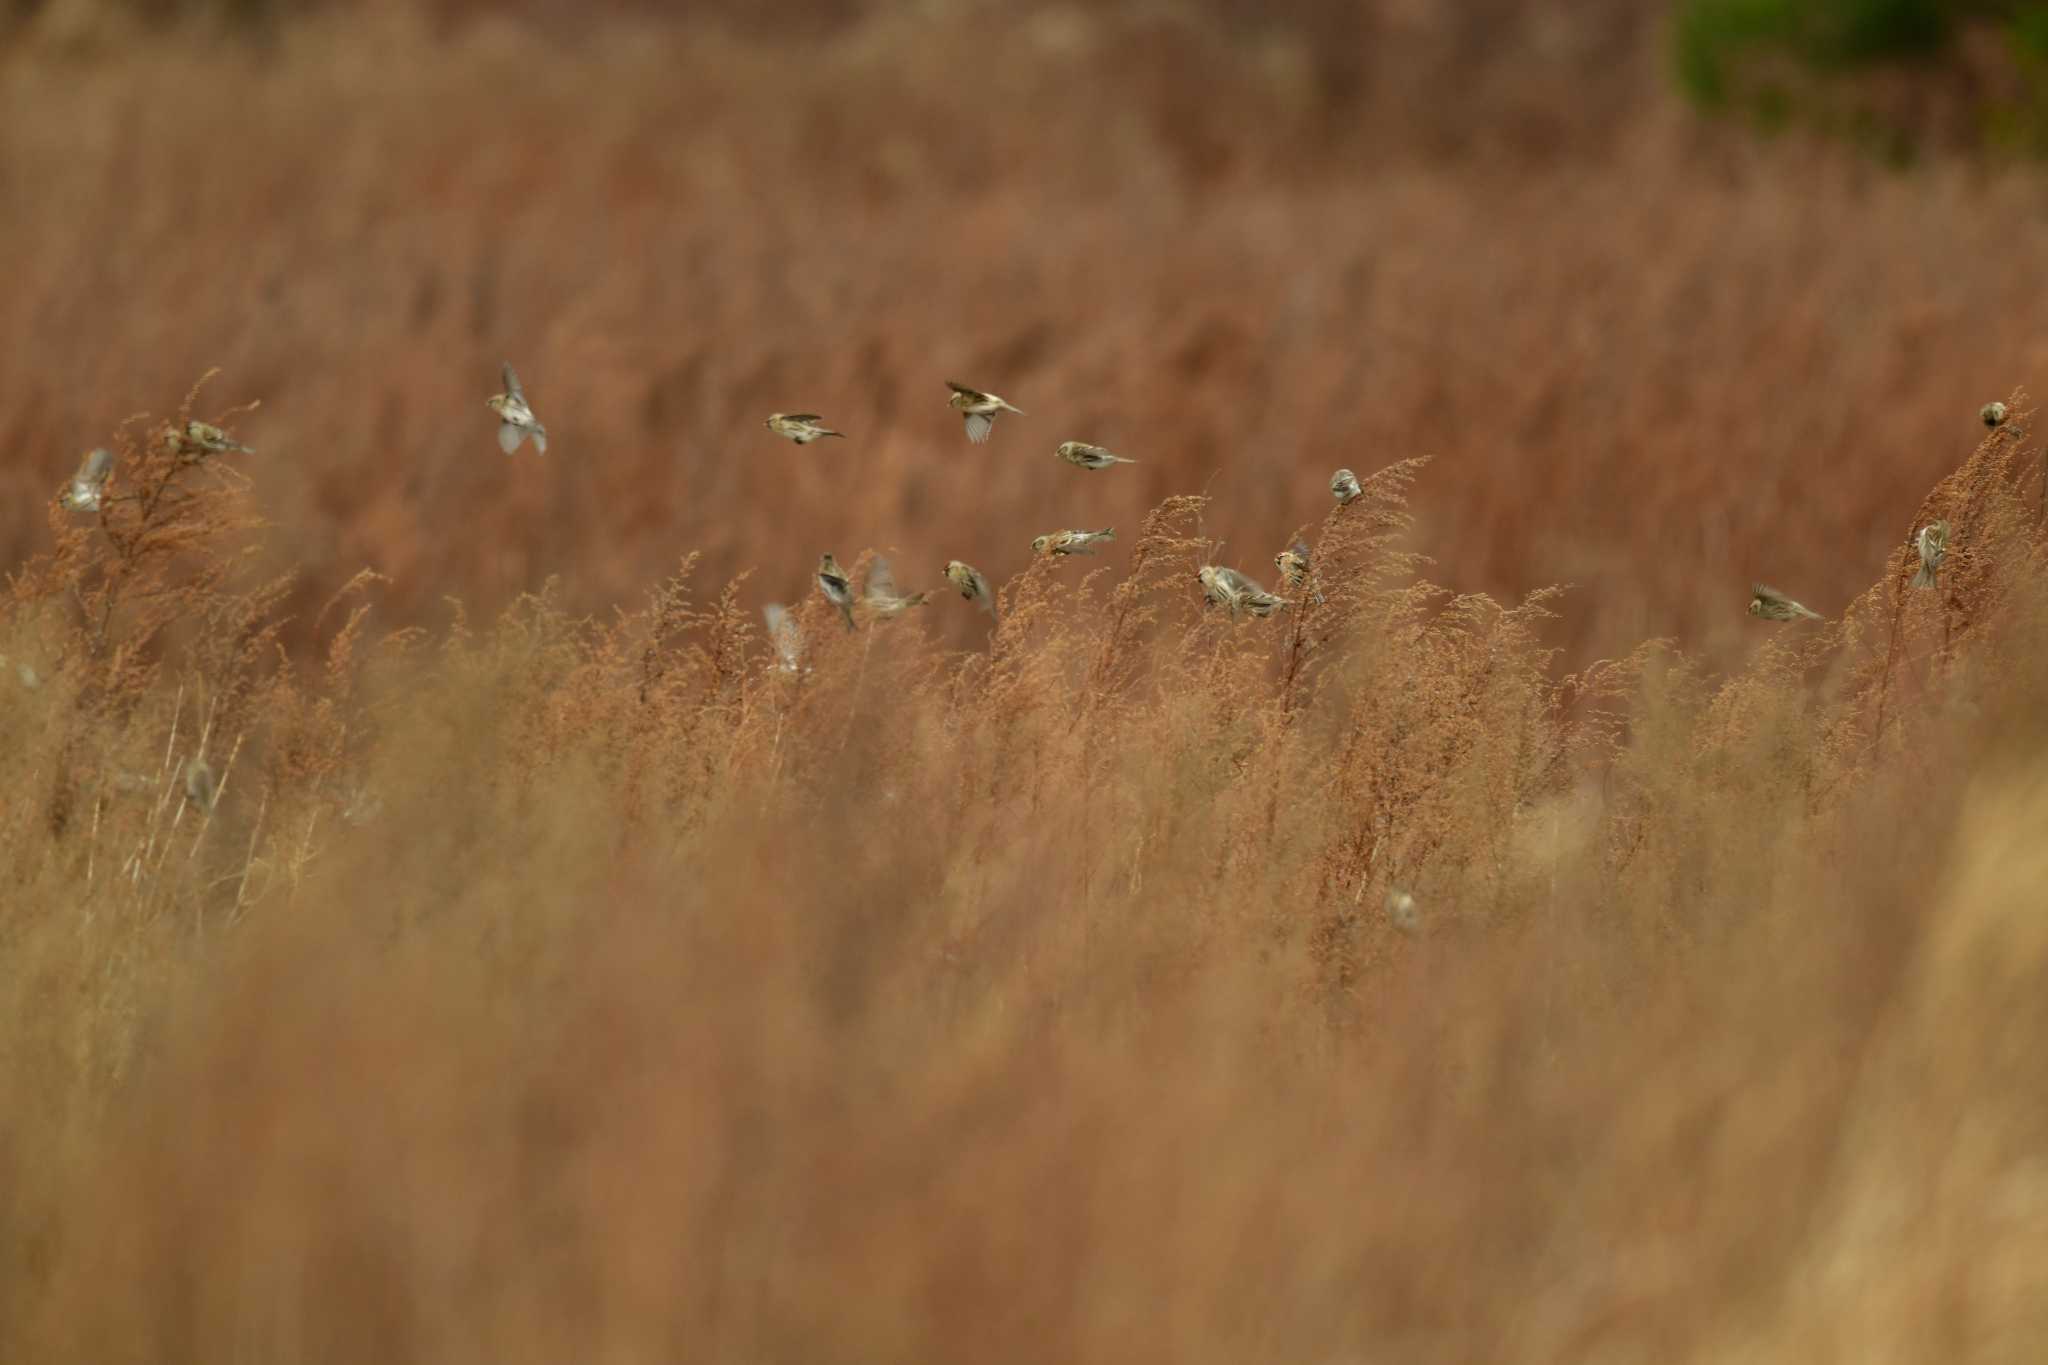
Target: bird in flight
(801, 427)
(90, 482)
(837, 587)
(1072, 542)
(516, 421)
(1084, 456)
(1772, 605)
(978, 409)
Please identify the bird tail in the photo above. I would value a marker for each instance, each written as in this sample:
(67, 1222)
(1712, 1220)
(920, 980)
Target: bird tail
(540, 439)
(1925, 578)
(827, 431)
(846, 610)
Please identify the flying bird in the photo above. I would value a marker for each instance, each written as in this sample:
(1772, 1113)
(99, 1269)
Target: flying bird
(837, 587)
(1344, 486)
(1932, 543)
(785, 635)
(1072, 542)
(978, 409)
(971, 584)
(881, 595)
(516, 421)
(1084, 456)
(1292, 563)
(90, 482)
(801, 427)
(1402, 910)
(1225, 587)
(201, 789)
(1772, 605)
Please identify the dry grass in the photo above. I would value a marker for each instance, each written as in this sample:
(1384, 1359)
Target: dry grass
(591, 989)
(555, 980)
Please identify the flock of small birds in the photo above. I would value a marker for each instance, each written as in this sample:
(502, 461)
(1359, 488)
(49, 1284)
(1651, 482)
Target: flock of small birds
(1221, 586)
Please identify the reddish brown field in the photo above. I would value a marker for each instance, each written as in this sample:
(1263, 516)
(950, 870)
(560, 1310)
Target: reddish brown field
(546, 976)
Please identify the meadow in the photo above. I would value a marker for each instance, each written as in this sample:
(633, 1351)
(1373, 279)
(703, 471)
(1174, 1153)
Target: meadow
(552, 976)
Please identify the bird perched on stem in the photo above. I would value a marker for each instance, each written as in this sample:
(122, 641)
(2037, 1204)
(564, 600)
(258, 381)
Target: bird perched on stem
(1772, 605)
(1225, 587)
(837, 587)
(1932, 543)
(1072, 542)
(90, 482)
(972, 585)
(516, 421)
(1344, 486)
(1292, 563)
(978, 410)
(203, 438)
(881, 596)
(1084, 456)
(801, 427)
(1993, 414)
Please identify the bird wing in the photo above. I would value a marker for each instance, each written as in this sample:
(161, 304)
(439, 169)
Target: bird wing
(881, 582)
(966, 392)
(509, 437)
(801, 417)
(512, 388)
(979, 425)
(96, 466)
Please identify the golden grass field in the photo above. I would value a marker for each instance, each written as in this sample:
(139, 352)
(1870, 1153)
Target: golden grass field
(553, 978)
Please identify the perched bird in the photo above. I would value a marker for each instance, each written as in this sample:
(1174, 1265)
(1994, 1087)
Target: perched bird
(1932, 543)
(801, 427)
(1773, 605)
(837, 587)
(516, 421)
(785, 635)
(881, 596)
(978, 409)
(83, 494)
(1993, 414)
(1225, 587)
(1401, 909)
(1084, 456)
(971, 584)
(200, 786)
(1292, 563)
(1072, 542)
(1344, 486)
(207, 439)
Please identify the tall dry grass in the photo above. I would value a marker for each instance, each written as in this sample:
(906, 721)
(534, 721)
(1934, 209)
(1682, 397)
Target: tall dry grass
(549, 986)
(1651, 356)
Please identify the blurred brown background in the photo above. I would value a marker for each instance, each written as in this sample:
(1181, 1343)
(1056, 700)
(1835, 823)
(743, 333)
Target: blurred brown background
(1654, 356)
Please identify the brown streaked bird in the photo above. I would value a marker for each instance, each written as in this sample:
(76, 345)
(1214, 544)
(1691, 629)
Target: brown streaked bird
(1344, 486)
(207, 439)
(1992, 414)
(801, 427)
(1932, 543)
(1292, 563)
(1226, 587)
(837, 587)
(972, 585)
(1072, 542)
(1084, 456)
(90, 482)
(516, 421)
(880, 593)
(201, 788)
(1770, 604)
(978, 410)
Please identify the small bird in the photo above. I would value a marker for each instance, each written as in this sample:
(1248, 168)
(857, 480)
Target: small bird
(90, 482)
(1932, 543)
(881, 596)
(1225, 587)
(972, 585)
(837, 587)
(1993, 414)
(1402, 910)
(1072, 542)
(978, 409)
(801, 427)
(200, 786)
(1292, 563)
(516, 421)
(1344, 486)
(205, 438)
(1084, 456)
(786, 636)
(1772, 605)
